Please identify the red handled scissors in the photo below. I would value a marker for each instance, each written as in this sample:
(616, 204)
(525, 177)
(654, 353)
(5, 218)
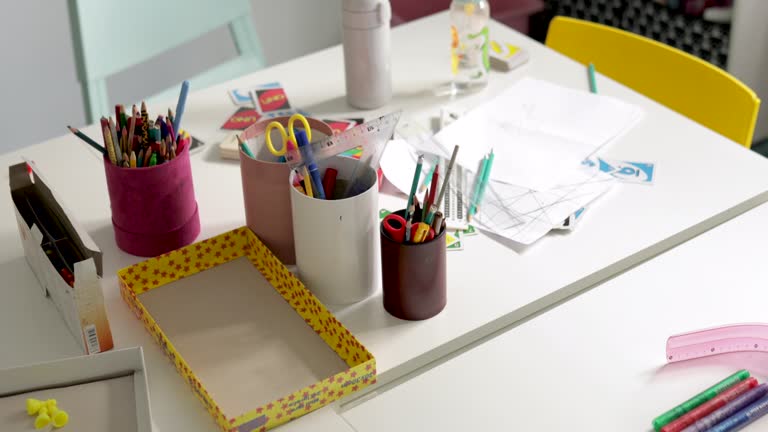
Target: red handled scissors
(394, 227)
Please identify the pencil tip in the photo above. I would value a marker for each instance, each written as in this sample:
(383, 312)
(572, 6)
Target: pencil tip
(71, 129)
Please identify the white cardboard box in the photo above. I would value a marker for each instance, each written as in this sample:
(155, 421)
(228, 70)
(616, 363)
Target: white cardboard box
(81, 305)
(101, 392)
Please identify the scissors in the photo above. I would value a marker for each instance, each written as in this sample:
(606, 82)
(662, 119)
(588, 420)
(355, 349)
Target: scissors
(286, 135)
(394, 227)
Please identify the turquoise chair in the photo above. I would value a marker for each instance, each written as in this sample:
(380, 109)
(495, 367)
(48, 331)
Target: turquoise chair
(98, 24)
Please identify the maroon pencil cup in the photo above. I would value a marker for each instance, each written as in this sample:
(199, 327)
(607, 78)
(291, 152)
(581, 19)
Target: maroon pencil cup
(413, 276)
(266, 191)
(153, 208)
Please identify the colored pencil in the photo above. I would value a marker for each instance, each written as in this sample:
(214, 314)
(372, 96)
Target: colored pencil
(180, 105)
(244, 147)
(87, 140)
(592, 81)
(144, 125)
(110, 147)
(447, 178)
(132, 125)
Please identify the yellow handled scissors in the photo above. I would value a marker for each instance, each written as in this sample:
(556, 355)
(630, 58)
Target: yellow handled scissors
(285, 135)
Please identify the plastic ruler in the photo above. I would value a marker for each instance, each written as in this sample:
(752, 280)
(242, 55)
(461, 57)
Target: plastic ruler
(371, 136)
(717, 340)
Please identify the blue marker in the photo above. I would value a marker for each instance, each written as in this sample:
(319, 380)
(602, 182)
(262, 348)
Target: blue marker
(728, 410)
(180, 106)
(743, 417)
(309, 159)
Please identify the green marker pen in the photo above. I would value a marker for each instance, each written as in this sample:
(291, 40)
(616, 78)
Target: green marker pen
(671, 415)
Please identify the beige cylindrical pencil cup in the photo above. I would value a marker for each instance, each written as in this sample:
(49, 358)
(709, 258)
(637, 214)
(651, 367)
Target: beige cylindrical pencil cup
(266, 190)
(337, 240)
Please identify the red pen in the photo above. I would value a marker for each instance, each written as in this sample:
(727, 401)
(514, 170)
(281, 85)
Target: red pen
(433, 188)
(329, 182)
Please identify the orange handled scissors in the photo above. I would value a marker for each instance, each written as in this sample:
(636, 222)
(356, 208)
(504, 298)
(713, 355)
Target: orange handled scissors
(285, 135)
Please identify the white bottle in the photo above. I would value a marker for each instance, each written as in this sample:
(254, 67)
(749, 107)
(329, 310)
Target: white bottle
(470, 62)
(365, 27)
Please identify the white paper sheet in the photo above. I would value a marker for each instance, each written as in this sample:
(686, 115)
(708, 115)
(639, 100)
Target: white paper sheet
(524, 215)
(399, 163)
(513, 212)
(539, 131)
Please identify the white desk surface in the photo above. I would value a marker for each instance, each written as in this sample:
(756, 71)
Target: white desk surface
(703, 179)
(597, 362)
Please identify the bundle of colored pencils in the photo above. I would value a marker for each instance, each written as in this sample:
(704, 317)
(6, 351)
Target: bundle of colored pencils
(135, 141)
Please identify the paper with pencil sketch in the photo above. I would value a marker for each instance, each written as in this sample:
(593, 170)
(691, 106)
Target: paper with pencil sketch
(513, 212)
(524, 215)
(539, 132)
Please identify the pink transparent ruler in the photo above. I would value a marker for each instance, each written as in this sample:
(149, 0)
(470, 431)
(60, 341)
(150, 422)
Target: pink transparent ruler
(717, 340)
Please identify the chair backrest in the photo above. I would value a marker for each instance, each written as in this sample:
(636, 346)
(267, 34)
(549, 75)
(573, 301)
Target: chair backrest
(112, 36)
(682, 82)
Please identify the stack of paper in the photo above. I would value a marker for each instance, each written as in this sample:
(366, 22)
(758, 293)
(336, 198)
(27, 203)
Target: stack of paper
(540, 134)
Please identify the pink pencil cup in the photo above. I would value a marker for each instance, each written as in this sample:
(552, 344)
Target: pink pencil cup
(153, 208)
(266, 191)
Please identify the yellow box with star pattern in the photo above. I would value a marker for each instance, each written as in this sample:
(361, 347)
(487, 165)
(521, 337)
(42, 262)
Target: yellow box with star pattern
(254, 344)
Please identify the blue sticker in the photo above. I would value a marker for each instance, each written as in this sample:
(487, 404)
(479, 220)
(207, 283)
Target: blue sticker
(624, 171)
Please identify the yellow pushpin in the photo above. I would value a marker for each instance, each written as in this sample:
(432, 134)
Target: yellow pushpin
(60, 417)
(50, 403)
(33, 406)
(43, 419)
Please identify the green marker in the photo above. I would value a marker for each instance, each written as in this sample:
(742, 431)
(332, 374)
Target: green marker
(671, 415)
(153, 159)
(478, 185)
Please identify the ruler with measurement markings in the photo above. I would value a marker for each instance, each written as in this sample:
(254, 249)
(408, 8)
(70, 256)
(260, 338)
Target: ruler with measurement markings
(717, 340)
(371, 137)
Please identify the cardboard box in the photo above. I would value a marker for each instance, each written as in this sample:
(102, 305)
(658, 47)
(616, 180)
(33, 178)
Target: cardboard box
(66, 262)
(102, 392)
(256, 347)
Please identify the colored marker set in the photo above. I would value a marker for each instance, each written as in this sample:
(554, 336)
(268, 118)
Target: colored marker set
(729, 405)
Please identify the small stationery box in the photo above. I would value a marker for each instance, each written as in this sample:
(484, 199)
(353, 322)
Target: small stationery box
(66, 262)
(256, 347)
(102, 392)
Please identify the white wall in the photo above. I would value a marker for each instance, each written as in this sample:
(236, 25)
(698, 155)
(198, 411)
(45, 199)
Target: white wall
(748, 56)
(39, 91)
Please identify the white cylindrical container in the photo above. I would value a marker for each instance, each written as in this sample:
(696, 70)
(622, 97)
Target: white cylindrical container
(337, 241)
(366, 39)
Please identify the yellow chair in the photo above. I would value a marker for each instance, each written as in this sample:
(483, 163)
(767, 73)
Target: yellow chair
(682, 82)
